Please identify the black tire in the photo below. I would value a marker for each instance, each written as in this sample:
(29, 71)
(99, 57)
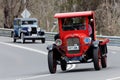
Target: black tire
(13, 35)
(43, 40)
(52, 64)
(104, 61)
(63, 65)
(96, 58)
(22, 38)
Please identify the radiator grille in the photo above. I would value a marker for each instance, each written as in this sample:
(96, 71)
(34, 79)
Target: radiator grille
(73, 45)
(34, 30)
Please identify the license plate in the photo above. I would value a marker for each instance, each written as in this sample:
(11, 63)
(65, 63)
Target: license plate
(73, 48)
(34, 34)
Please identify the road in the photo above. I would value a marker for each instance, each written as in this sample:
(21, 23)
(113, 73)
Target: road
(29, 62)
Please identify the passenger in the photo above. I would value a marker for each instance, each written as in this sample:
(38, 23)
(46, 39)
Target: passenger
(83, 27)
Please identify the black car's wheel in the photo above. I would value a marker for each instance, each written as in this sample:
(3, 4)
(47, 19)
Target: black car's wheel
(52, 64)
(22, 38)
(104, 61)
(97, 58)
(13, 35)
(43, 40)
(63, 65)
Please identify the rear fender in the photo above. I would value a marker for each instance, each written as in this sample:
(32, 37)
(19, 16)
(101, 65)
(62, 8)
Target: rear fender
(105, 41)
(103, 49)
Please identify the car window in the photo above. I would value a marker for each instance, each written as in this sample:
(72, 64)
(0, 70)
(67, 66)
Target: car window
(77, 23)
(29, 22)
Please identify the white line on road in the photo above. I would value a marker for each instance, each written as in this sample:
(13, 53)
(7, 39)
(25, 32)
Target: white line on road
(34, 77)
(69, 67)
(115, 78)
(26, 48)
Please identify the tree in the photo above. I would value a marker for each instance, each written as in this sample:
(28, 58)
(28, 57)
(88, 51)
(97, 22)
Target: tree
(12, 9)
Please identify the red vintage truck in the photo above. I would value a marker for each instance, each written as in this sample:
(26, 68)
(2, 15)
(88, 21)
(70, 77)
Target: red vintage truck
(76, 42)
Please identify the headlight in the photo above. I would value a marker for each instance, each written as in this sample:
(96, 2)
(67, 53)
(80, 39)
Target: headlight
(38, 29)
(58, 42)
(29, 29)
(87, 40)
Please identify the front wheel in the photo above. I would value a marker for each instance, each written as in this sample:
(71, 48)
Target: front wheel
(22, 38)
(52, 64)
(96, 58)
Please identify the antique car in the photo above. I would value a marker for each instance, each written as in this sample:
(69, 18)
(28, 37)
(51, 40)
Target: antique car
(27, 29)
(76, 42)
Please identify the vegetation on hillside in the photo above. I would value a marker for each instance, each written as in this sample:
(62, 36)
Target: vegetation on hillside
(107, 12)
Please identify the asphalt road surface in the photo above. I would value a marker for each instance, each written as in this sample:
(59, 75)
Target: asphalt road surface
(29, 62)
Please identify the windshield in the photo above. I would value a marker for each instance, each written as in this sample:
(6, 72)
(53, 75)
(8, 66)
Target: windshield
(77, 23)
(29, 22)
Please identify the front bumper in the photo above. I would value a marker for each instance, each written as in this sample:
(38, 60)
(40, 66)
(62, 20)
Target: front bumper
(34, 37)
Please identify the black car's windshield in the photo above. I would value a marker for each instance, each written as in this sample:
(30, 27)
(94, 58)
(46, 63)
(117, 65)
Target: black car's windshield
(77, 23)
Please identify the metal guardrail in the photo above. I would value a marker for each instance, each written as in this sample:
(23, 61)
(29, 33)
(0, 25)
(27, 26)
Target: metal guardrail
(113, 39)
(50, 36)
(5, 32)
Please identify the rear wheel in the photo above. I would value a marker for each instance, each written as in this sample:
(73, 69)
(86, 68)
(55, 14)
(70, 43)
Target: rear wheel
(52, 64)
(63, 65)
(96, 58)
(104, 61)
(13, 35)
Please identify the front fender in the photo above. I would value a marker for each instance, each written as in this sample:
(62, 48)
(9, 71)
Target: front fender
(50, 47)
(95, 43)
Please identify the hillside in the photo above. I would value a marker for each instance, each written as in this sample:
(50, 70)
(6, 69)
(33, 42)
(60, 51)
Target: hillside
(107, 12)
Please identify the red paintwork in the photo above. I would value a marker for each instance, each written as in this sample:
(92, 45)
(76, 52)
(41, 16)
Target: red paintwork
(81, 34)
(83, 47)
(105, 41)
(73, 14)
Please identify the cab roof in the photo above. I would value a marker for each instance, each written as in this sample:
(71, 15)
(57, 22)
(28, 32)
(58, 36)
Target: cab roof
(73, 14)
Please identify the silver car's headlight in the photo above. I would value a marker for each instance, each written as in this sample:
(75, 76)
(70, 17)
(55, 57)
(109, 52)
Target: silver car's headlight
(87, 40)
(29, 29)
(38, 29)
(58, 42)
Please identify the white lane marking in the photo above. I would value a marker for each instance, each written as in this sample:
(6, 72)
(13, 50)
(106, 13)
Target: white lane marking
(34, 77)
(69, 67)
(26, 48)
(116, 78)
